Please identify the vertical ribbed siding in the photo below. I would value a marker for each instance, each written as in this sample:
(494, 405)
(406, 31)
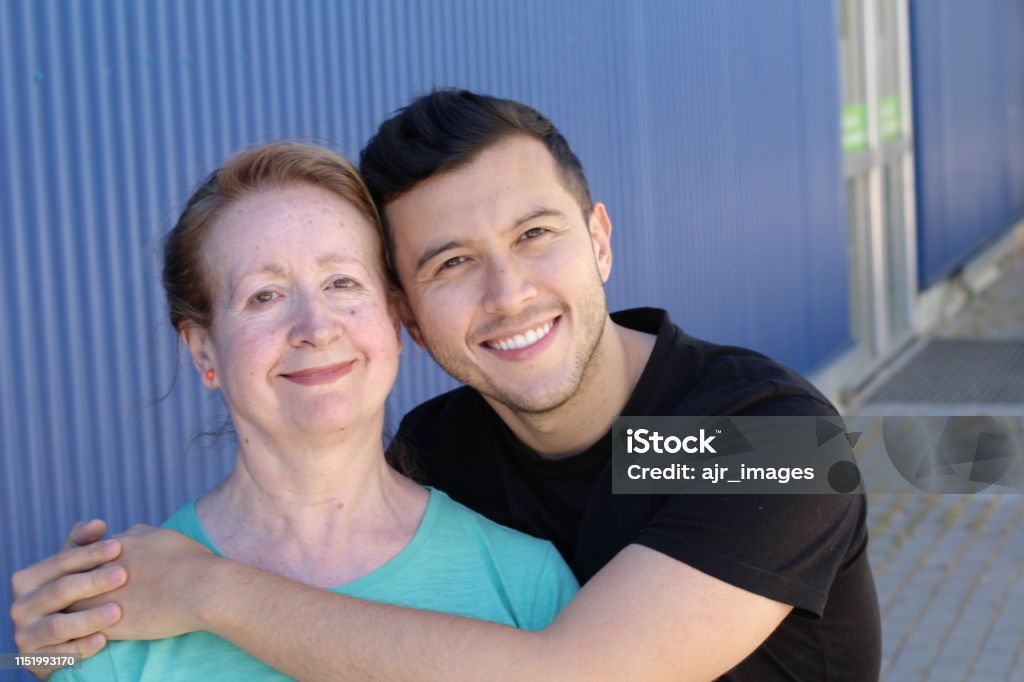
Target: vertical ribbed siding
(738, 227)
(709, 129)
(1014, 36)
(969, 122)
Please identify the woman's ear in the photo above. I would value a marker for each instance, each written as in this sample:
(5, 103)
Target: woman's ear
(200, 347)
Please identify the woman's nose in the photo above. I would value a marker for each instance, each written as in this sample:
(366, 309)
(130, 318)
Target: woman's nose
(315, 324)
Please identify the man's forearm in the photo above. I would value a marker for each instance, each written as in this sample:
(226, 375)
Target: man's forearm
(311, 634)
(643, 616)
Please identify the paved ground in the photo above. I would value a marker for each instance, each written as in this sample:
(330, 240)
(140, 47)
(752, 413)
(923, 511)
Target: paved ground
(949, 567)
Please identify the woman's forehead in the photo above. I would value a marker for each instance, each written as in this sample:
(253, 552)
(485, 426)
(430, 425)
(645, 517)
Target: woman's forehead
(306, 216)
(283, 231)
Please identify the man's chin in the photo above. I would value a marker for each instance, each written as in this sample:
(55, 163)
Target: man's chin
(532, 402)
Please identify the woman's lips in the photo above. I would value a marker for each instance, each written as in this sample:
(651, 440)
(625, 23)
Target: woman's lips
(319, 375)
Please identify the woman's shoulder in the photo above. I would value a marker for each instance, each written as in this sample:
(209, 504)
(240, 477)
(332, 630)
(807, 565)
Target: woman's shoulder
(186, 522)
(454, 518)
(530, 570)
(514, 553)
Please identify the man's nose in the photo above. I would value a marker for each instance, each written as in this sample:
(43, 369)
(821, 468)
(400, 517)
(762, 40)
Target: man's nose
(508, 288)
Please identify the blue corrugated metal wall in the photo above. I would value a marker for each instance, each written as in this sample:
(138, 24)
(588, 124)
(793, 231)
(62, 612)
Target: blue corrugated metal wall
(710, 129)
(968, 64)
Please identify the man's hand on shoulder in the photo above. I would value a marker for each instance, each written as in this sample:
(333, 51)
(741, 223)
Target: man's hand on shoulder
(168, 574)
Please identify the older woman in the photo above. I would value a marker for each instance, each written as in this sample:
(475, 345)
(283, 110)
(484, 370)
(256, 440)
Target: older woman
(275, 281)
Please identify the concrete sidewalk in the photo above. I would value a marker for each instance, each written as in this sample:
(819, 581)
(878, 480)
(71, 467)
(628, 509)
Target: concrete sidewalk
(950, 568)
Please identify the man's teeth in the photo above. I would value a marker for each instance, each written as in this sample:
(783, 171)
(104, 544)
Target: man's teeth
(522, 340)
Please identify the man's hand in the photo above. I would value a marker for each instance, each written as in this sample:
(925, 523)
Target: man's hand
(167, 573)
(42, 591)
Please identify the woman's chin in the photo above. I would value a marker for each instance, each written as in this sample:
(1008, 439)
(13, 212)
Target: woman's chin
(332, 422)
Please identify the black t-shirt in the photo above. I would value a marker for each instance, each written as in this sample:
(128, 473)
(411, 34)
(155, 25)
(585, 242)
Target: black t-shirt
(809, 551)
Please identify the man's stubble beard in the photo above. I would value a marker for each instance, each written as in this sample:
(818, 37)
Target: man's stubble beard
(586, 366)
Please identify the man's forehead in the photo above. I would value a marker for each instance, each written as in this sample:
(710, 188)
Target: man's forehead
(507, 180)
(502, 211)
(509, 177)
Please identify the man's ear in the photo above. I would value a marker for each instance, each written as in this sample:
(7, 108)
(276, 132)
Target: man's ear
(200, 347)
(600, 226)
(394, 302)
(409, 320)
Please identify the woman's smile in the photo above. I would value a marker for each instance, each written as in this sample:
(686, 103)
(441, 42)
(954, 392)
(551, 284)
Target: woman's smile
(324, 374)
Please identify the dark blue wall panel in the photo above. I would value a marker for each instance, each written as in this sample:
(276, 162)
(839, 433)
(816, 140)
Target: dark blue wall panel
(708, 127)
(968, 71)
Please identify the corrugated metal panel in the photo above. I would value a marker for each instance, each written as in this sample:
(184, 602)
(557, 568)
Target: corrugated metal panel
(709, 128)
(1014, 31)
(969, 122)
(738, 167)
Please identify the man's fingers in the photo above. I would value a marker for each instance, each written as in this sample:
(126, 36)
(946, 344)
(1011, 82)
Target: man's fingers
(68, 561)
(85, 532)
(62, 630)
(86, 646)
(61, 593)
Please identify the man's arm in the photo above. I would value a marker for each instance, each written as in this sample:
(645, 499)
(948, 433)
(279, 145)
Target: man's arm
(645, 615)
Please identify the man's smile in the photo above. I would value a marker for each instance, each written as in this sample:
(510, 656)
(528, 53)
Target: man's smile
(521, 340)
(525, 344)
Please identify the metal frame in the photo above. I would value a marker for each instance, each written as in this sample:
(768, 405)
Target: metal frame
(881, 337)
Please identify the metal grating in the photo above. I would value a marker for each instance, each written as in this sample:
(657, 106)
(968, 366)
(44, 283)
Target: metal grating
(956, 371)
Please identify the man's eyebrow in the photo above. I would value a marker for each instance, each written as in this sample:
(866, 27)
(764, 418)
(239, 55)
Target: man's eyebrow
(541, 212)
(432, 253)
(533, 214)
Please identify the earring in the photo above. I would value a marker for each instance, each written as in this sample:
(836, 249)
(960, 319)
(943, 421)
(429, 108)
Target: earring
(209, 375)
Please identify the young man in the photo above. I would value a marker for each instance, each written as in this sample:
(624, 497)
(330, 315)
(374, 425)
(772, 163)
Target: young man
(503, 257)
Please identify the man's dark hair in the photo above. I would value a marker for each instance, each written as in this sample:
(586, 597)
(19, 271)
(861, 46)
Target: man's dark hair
(448, 128)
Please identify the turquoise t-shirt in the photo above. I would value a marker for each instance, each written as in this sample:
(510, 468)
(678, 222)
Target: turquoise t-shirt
(458, 562)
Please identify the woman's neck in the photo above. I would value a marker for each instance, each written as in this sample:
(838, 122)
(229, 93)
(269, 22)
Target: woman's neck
(323, 513)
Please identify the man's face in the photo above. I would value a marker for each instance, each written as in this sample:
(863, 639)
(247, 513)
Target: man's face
(504, 277)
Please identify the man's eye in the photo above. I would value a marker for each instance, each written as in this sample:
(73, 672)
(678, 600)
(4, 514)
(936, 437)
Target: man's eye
(452, 262)
(533, 233)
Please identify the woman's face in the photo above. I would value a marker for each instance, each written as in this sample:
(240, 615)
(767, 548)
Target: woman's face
(302, 341)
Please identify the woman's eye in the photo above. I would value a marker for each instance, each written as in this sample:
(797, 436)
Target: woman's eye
(342, 283)
(264, 297)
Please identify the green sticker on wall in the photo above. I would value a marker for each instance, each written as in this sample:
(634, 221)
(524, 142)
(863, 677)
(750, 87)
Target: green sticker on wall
(889, 117)
(855, 128)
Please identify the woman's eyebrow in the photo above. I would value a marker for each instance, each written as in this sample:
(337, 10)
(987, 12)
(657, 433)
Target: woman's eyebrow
(335, 259)
(265, 269)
